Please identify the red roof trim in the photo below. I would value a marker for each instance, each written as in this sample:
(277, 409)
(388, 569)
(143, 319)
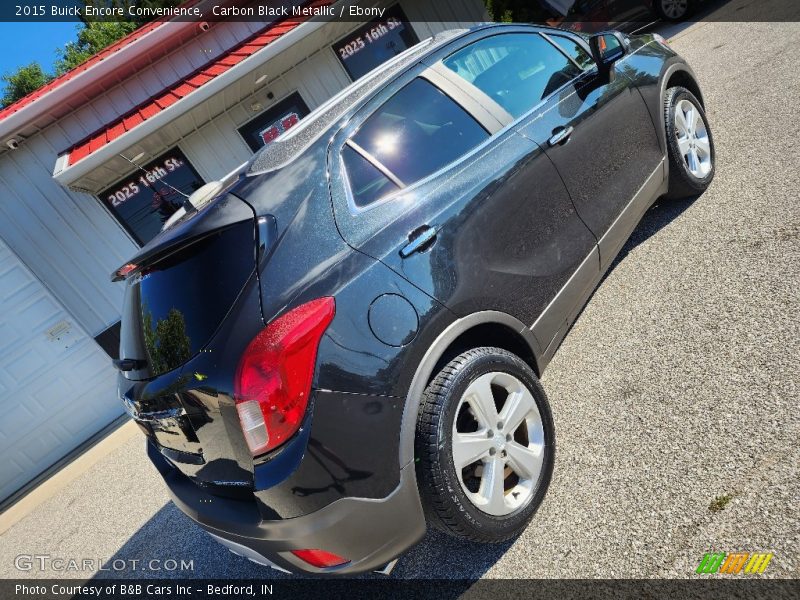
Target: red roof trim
(116, 131)
(84, 66)
(182, 88)
(199, 79)
(80, 152)
(215, 70)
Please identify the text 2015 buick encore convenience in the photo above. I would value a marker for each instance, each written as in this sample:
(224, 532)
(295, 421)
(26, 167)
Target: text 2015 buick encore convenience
(346, 343)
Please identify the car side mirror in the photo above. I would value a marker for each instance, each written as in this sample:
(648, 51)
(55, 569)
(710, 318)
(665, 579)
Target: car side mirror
(607, 48)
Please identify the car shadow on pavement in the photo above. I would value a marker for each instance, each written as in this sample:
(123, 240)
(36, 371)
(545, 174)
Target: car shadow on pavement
(171, 536)
(661, 214)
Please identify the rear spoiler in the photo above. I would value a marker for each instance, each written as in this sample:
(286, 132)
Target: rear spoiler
(220, 213)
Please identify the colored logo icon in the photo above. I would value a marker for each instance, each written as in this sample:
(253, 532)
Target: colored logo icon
(733, 563)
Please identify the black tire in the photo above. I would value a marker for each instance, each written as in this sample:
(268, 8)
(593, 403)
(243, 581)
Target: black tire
(682, 183)
(446, 505)
(665, 15)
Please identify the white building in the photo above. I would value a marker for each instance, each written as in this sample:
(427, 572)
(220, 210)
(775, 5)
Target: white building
(186, 101)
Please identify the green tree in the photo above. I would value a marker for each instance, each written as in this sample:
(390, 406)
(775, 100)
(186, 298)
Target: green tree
(97, 33)
(92, 37)
(23, 81)
(167, 342)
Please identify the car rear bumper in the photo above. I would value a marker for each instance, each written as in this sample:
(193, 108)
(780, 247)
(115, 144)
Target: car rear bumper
(370, 533)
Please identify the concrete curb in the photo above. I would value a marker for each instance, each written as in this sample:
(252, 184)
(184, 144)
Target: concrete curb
(61, 474)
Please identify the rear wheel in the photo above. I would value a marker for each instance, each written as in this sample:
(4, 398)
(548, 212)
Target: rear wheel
(485, 446)
(690, 145)
(673, 10)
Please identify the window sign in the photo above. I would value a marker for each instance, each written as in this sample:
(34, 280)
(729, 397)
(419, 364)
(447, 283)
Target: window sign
(274, 121)
(145, 199)
(375, 43)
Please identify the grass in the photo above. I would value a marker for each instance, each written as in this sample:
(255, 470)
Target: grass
(720, 502)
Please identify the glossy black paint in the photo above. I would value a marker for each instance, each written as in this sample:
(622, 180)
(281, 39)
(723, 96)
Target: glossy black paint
(323, 463)
(513, 223)
(625, 15)
(612, 148)
(480, 261)
(598, 15)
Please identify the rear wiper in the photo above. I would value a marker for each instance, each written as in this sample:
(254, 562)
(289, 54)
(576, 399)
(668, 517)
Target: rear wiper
(129, 364)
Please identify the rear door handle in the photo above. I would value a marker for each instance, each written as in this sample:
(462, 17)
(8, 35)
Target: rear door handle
(419, 239)
(560, 137)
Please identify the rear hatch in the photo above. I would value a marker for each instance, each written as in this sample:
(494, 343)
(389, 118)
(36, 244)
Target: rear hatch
(182, 284)
(179, 289)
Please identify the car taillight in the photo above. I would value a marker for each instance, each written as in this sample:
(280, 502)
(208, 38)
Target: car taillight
(125, 270)
(320, 558)
(273, 380)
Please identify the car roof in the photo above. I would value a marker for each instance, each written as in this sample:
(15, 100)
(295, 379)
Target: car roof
(290, 145)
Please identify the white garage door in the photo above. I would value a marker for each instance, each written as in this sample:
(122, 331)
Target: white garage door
(57, 387)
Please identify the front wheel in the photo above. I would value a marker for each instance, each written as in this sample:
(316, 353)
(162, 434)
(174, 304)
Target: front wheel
(485, 446)
(690, 145)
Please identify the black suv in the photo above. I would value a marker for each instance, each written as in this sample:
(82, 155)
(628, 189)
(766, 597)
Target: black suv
(346, 342)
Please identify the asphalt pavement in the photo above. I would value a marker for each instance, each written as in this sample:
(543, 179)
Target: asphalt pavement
(675, 395)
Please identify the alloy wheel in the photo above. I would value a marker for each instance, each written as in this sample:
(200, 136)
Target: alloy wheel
(498, 443)
(693, 140)
(674, 9)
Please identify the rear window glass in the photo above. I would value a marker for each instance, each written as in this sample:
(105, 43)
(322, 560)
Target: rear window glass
(183, 299)
(367, 184)
(418, 131)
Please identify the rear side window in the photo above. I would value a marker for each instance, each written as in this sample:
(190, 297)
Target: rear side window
(367, 183)
(516, 70)
(416, 132)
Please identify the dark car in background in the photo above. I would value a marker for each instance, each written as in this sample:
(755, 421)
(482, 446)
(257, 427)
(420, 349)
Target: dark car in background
(345, 344)
(598, 15)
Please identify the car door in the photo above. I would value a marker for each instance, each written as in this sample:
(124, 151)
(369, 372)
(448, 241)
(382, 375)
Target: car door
(594, 126)
(630, 15)
(599, 134)
(431, 183)
(600, 15)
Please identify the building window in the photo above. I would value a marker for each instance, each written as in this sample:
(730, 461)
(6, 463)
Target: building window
(273, 122)
(375, 43)
(145, 199)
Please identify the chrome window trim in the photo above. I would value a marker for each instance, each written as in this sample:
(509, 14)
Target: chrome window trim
(483, 109)
(352, 207)
(550, 37)
(458, 96)
(464, 96)
(515, 122)
(375, 163)
(356, 210)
